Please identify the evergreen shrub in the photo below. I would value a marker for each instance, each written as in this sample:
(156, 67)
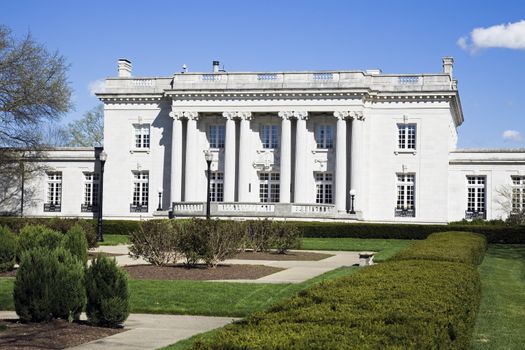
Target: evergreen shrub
(38, 236)
(76, 243)
(8, 248)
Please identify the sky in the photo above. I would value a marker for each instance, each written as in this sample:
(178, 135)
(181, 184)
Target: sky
(486, 39)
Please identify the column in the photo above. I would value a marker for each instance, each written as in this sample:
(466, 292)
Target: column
(244, 155)
(340, 161)
(193, 157)
(229, 157)
(176, 157)
(356, 176)
(301, 159)
(286, 157)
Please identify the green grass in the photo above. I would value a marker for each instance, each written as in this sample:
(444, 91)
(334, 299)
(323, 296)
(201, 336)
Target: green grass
(6, 293)
(385, 248)
(115, 240)
(187, 344)
(501, 318)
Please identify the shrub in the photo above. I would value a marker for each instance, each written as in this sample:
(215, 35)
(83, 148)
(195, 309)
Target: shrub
(107, 293)
(258, 235)
(121, 227)
(48, 285)
(76, 243)
(223, 240)
(285, 237)
(8, 247)
(192, 240)
(460, 247)
(156, 242)
(37, 236)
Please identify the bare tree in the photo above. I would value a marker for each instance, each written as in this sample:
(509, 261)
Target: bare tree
(507, 200)
(88, 131)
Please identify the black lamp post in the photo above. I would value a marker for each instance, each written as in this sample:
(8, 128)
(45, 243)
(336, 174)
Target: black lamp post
(209, 157)
(352, 198)
(102, 158)
(160, 199)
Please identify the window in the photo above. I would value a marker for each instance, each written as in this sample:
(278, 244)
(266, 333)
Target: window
(269, 187)
(142, 136)
(270, 136)
(140, 191)
(54, 192)
(518, 193)
(406, 139)
(475, 197)
(406, 195)
(324, 188)
(217, 186)
(216, 136)
(324, 136)
(91, 183)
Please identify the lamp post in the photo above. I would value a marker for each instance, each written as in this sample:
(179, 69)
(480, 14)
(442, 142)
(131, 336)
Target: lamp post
(102, 158)
(352, 198)
(209, 157)
(160, 199)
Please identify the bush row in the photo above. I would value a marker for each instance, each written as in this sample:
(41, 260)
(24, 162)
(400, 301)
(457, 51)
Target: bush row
(163, 242)
(403, 304)
(493, 233)
(459, 247)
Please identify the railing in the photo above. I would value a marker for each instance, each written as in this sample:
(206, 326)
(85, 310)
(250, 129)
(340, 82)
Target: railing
(313, 208)
(405, 213)
(142, 82)
(408, 80)
(475, 214)
(267, 76)
(133, 208)
(52, 208)
(88, 208)
(211, 77)
(245, 207)
(323, 76)
(188, 207)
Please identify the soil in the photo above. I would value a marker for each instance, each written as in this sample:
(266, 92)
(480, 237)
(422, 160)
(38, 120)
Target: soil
(289, 256)
(200, 272)
(57, 334)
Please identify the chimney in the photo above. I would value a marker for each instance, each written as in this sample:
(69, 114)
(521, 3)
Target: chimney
(216, 66)
(124, 68)
(448, 65)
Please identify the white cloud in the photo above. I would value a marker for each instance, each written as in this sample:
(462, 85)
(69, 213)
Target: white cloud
(512, 135)
(508, 36)
(96, 86)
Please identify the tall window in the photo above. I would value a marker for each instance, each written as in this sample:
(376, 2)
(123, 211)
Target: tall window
(324, 136)
(216, 136)
(324, 187)
(406, 138)
(54, 192)
(475, 197)
(270, 136)
(91, 183)
(269, 187)
(217, 186)
(142, 136)
(140, 191)
(518, 193)
(406, 195)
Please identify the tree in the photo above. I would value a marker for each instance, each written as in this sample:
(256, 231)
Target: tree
(506, 198)
(88, 131)
(33, 89)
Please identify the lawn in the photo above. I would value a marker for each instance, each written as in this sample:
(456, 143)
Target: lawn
(115, 240)
(385, 248)
(198, 297)
(501, 318)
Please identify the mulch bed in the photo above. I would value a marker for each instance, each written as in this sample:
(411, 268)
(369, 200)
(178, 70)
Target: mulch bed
(289, 256)
(200, 272)
(57, 334)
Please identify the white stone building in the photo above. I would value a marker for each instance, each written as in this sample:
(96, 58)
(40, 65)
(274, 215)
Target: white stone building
(287, 145)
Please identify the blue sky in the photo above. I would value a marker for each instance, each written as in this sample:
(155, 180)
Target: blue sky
(396, 36)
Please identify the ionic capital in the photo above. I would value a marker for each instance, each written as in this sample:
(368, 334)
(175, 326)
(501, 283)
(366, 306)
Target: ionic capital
(285, 115)
(342, 114)
(184, 114)
(357, 115)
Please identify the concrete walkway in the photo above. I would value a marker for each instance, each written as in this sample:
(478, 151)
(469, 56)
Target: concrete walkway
(295, 271)
(145, 331)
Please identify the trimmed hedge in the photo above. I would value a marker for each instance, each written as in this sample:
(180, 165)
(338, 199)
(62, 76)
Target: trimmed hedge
(462, 247)
(493, 233)
(402, 305)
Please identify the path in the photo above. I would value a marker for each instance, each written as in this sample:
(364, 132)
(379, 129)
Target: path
(147, 331)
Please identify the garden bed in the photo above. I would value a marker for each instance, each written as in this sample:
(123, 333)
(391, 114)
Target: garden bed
(200, 272)
(93, 255)
(57, 334)
(289, 256)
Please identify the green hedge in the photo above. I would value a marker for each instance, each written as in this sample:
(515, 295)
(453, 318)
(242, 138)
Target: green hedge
(399, 305)
(460, 247)
(120, 227)
(494, 233)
